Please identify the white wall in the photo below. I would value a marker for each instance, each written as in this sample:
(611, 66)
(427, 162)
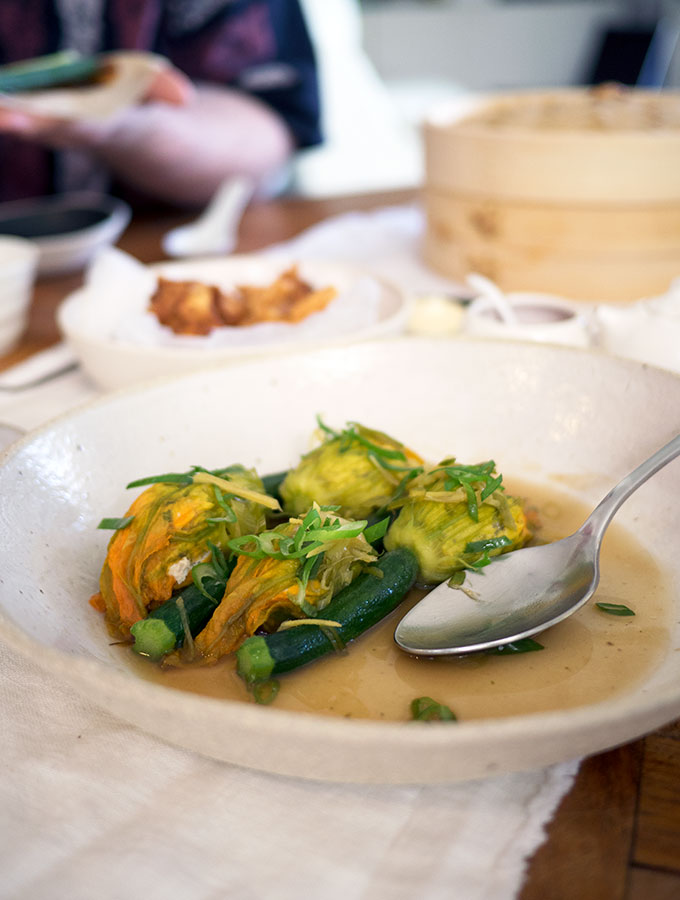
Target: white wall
(481, 44)
(419, 55)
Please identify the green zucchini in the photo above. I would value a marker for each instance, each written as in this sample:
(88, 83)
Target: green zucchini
(272, 483)
(53, 70)
(363, 603)
(164, 629)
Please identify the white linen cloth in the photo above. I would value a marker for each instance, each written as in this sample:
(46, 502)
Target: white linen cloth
(91, 807)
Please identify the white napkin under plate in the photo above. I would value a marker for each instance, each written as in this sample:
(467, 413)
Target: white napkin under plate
(91, 807)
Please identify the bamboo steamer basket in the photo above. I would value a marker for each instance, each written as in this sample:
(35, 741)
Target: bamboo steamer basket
(571, 192)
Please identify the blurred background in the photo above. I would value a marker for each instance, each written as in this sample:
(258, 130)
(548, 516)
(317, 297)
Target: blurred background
(386, 64)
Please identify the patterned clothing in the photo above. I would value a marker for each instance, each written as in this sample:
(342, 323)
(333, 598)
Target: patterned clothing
(259, 46)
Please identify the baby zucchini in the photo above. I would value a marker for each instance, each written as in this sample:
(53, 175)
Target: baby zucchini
(272, 483)
(164, 629)
(363, 603)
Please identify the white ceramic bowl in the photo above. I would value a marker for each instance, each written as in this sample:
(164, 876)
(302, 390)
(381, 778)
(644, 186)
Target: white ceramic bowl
(91, 323)
(68, 229)
(546, 412)
(540, 317)
(18, 259)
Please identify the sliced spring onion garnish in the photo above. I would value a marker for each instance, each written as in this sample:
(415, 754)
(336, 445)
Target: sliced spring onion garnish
(450, 482)
(456, 579)
(489, 544)
(356, 433)
(392, 460)
(310, 539)
(229, 514)
(204, 577)
(377, 530)
(218, 478)
(481, 563)
(167, 478)
(222, 566)
(184, 618)
(115, 524)
(265, 692)
(211, 577)
(484, 547)
(401, 488)
(309, 569)
(326, 430)
(471, 478)
(425, 709)
(615, 609)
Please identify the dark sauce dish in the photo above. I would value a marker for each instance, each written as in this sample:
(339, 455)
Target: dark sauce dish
(68, 228)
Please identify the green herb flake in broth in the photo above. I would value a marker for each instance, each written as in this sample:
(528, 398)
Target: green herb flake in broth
(115, 524)
(615, 609)
(265, 692)
(425, 709)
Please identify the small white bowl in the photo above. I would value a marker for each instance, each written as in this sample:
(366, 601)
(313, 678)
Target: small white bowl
(18, 259)
(540, 317)
(69, 229)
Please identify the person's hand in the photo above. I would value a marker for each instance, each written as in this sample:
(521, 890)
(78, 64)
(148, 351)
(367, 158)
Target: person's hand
(169, 86)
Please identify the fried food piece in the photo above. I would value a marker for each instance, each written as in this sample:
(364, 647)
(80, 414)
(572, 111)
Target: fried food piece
(288, 299)
(189, 307)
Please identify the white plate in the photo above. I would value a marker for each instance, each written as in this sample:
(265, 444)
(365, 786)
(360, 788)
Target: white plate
(133, 73)
(542, 410)
(119, 344)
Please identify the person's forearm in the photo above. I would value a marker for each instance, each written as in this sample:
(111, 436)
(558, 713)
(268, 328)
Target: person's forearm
(180, 154)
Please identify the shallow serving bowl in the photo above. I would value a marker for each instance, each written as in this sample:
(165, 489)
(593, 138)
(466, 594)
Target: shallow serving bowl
(548, 413)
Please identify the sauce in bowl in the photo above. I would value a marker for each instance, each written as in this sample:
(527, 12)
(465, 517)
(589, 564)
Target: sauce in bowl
(587, 658)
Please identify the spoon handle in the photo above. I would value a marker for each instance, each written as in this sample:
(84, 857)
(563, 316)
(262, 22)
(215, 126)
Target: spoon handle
(603, 513)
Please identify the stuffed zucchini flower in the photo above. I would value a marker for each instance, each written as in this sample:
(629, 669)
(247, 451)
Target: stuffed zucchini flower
(357, 470)
(170, 528)
(291, 572)
(453, 517)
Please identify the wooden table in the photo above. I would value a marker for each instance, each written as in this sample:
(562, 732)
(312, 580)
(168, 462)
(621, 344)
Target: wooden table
(617, 833)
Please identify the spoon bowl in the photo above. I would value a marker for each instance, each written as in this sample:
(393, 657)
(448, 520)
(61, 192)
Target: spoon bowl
(523, 592)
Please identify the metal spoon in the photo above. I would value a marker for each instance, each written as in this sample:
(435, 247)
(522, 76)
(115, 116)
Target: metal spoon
(523, 592)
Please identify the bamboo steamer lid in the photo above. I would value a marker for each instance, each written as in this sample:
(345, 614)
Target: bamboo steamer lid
(575, 192)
